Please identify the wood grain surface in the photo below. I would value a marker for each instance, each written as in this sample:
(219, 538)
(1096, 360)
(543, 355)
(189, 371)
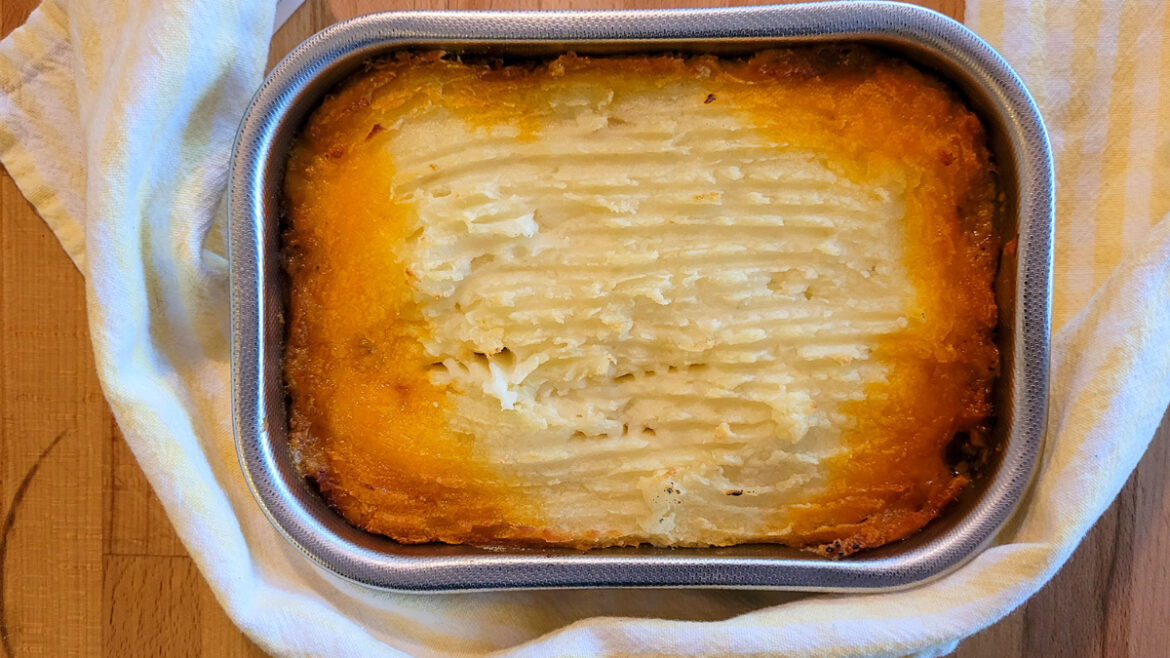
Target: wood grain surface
(89, 564)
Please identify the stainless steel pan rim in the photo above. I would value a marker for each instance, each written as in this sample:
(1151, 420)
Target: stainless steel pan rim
(299, 80)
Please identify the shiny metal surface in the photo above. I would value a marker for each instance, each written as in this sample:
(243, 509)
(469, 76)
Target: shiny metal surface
(297, 83)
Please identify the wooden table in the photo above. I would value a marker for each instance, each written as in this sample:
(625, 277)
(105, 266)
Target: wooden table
(89, 563)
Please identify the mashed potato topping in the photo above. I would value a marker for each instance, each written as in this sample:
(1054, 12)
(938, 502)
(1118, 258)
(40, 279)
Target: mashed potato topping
(675, 300)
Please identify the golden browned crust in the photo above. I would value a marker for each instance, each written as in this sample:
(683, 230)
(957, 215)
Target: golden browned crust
(368, 426)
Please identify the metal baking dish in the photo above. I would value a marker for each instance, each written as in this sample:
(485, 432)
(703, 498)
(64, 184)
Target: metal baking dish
(930, 39)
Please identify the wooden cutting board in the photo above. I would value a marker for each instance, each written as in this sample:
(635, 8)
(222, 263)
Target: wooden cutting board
(89, 563)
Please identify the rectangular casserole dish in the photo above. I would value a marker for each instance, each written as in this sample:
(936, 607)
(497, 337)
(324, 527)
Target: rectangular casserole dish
(296, 85)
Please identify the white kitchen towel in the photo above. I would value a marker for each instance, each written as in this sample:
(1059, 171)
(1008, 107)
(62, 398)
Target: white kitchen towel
(116, 121)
